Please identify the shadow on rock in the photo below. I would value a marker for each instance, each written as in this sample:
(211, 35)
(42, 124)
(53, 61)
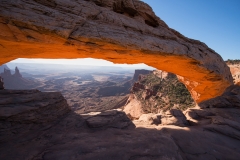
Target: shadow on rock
(230, 98)
(110, 134)
(107, 135)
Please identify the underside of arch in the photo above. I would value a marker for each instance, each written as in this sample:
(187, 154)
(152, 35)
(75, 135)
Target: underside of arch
(120, 31)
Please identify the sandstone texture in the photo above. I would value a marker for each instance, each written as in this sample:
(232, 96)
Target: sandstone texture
(36, 125)
(231, 98)
(31, 106)
(149, 119)
(133, 108)
(139, 72)
(121, 31)
(108, 119)
(174, 117)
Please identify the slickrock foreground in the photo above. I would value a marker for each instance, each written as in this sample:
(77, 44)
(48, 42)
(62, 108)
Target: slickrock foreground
(30, 106)
(36, 125)
(121, 31)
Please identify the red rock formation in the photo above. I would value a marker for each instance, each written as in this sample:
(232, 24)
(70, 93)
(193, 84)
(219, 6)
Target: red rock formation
(121, 31)
(235, 71)
(139, 72)
(137, 86)
(230, 98)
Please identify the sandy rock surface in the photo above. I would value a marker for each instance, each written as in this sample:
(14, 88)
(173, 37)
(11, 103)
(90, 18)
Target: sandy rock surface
(174, 117)
(72, 137)
(212, 133)
(31, 106)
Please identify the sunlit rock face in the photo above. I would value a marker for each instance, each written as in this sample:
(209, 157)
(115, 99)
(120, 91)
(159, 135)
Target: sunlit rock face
(121, 31)
(235, 70)
(156, 93)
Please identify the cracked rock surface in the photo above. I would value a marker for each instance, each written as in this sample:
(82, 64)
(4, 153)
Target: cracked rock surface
(121, 31)
(31, 106)
(48, 131)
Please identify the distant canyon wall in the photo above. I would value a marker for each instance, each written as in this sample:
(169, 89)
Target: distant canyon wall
(157, 92)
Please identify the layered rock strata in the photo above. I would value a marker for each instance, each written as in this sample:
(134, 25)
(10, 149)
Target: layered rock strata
(209, 133)
(138, 72)
(230, 98)
(121, 31)
(31, 106)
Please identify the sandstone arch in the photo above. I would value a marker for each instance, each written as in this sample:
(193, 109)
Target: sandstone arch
(121, 31)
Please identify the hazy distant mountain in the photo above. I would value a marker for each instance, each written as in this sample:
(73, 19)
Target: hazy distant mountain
(2, 68)
(38, 68)
(16, 81)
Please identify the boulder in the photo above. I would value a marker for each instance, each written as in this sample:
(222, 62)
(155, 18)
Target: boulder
(133, 108)
(108, 119)
(150, 119)
(174, 117)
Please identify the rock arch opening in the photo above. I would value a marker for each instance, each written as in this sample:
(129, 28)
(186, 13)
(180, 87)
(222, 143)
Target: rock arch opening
(93, 85)
(80, 29)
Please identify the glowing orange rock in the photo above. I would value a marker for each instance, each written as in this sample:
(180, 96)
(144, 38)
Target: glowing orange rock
(121, 31)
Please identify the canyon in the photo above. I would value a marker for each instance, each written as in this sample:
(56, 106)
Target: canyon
(86, 88)
(156, 92)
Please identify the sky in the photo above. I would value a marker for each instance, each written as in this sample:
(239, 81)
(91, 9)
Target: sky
(214, 22)
(81, 61)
